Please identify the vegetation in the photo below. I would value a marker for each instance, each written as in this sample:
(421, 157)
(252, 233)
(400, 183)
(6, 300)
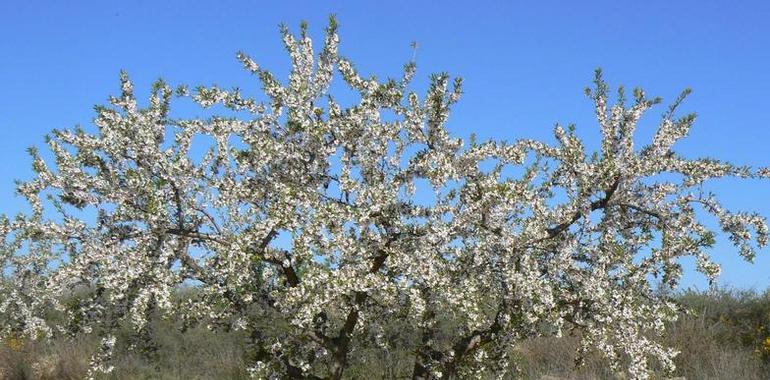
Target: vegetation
(323, 240)
(723, 335)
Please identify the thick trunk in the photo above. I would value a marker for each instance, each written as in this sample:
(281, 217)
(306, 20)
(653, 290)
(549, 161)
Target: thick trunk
(338, 365)
(342, 342)
(420, 370)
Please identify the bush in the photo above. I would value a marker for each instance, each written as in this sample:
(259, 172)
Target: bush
(721, 334)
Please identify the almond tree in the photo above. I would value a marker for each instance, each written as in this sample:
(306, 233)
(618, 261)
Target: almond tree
(304, 213)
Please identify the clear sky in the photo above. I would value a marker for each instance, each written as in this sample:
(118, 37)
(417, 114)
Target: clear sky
(525, 66)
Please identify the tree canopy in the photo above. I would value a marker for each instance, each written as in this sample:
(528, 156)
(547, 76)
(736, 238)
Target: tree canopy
(306, 213)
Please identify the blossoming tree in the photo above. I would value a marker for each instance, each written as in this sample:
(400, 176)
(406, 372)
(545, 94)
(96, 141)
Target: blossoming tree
(305, 213)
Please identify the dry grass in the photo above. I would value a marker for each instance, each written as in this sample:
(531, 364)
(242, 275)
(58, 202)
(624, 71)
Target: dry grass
(727, 337)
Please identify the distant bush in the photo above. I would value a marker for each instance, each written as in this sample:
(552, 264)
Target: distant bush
(722, 334)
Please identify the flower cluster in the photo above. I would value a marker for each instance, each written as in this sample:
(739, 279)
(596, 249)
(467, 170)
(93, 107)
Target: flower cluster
(299, 210)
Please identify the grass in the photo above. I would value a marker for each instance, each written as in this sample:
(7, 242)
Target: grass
(725, 335)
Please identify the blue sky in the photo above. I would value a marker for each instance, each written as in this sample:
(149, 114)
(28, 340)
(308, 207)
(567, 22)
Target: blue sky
(525, 67)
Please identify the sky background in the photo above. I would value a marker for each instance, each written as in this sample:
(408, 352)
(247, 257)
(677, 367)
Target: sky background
(525, 66)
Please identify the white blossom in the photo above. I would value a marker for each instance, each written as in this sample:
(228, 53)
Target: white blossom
(310, 212)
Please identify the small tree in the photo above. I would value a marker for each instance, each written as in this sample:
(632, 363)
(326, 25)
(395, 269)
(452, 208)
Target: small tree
(305, 213)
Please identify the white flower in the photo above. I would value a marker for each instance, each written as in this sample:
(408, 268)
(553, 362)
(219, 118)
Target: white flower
(315, 210)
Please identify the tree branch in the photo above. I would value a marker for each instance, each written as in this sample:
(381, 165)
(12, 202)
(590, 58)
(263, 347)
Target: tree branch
(595, 205)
